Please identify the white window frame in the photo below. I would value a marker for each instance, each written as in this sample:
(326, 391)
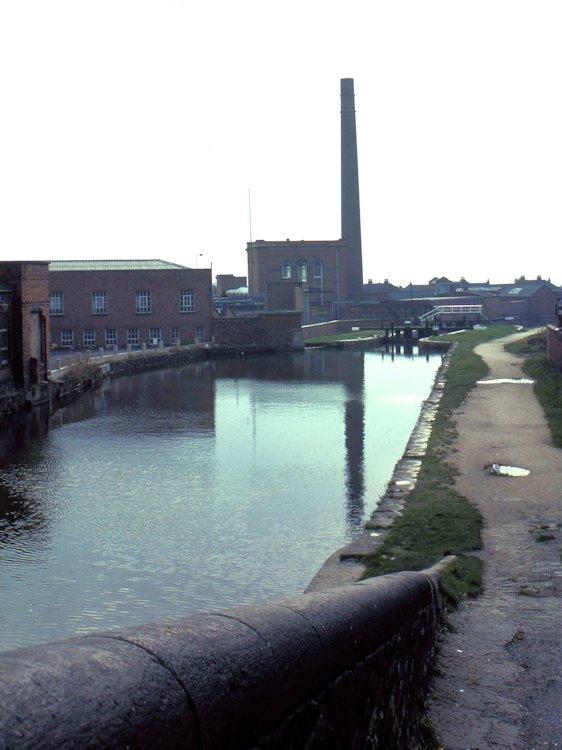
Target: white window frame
(99, 302)
(199, 334)
(303, 266)
(60, 309)
(175, 335)
(158, 336)
(142, 302)
(187, 301)
(287, 270)
(67, 338)
(111, 340)
(133, 336)
(91, 342)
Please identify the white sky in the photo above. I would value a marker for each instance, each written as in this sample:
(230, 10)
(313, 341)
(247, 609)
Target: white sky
(133, 128)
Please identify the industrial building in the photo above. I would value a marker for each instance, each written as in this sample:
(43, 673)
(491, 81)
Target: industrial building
(24, 324)
(109, 303)
(311, 276)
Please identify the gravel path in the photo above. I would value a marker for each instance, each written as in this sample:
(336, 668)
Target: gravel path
(499, 682)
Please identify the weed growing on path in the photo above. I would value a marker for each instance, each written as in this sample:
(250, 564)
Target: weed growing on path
(548, 385)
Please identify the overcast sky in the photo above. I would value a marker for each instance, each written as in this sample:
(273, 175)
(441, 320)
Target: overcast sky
(134, 128)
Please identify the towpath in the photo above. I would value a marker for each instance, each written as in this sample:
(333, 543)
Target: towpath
(500, 670)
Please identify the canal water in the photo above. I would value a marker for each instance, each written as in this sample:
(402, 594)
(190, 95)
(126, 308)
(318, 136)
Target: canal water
(202, 487)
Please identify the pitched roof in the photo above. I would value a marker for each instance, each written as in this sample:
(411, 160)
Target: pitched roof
(112, 265)
(525, 289)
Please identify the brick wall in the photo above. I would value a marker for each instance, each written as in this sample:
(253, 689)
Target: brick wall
(554, 346)
(29, 319)
(121, 286)
(276, 330)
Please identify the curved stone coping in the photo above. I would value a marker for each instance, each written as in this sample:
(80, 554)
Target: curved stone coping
(213, 680)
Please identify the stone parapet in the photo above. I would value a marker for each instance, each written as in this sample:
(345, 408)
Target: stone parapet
(346, 667)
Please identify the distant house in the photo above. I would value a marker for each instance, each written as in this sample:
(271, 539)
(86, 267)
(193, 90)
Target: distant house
(529, 301)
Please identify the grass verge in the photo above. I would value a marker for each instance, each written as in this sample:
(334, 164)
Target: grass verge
(437, 520)
(350, 336)
(548, 385)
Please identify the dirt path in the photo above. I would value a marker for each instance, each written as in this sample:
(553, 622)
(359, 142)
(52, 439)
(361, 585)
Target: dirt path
(499, 683)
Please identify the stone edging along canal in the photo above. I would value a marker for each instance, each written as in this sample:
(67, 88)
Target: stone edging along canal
(68, 385)
(347, 564)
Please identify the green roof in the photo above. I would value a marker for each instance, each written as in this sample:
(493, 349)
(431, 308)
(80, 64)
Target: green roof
(112, 265)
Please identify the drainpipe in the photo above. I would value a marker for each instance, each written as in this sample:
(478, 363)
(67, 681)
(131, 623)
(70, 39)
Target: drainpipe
(337, 273)
(43, 320)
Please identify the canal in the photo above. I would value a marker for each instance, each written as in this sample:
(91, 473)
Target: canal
(215, 484)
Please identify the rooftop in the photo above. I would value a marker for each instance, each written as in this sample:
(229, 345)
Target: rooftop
(283, 243)
(113, 265)
(524, 289)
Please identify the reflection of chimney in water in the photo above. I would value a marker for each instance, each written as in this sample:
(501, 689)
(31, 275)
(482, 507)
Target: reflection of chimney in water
(353, 379)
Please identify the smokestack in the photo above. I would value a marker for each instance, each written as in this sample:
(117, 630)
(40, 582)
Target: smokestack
(350, 214)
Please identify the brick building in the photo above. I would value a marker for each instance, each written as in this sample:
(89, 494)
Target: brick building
(25, 322)
(527, 301)
(304, 275)
(128, 302)
(227, 282)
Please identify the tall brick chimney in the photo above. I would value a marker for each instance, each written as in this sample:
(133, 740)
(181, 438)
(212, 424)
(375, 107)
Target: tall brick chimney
(350, 213)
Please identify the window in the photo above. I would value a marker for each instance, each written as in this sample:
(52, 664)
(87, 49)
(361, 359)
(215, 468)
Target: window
(55, 303)
(154, 335)
(99, 303)
(133, 336)
(199, 334)
(110, 336)
(66, 337)
(303, 270)
(318, 278)
(175, 335)
(286, 270)
(143, 302)
(187, 301)
(89, 337)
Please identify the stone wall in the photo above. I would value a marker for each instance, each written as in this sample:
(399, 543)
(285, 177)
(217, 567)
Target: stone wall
(343, 668)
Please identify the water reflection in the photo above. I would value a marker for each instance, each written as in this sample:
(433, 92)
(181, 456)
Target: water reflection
(355, 438)
(174, 491)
